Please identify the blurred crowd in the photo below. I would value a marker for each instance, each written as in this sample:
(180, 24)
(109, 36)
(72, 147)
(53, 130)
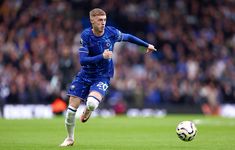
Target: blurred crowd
(195, 62)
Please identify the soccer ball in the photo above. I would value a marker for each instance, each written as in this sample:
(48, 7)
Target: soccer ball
(186, 130)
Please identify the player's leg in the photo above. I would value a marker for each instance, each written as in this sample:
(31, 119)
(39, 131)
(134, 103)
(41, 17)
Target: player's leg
(74, 103)
(98, 91)
(78, 91)
(92, 103)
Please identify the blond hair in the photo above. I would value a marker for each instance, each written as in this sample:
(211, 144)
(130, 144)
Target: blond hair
(96, 12)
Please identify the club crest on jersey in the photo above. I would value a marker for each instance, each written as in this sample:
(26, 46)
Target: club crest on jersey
(107, 44)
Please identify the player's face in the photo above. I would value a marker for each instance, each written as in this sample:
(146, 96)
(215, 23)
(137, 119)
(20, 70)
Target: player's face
(99, 23)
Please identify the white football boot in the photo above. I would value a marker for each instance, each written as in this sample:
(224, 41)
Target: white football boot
(67, 142)
(85, 115)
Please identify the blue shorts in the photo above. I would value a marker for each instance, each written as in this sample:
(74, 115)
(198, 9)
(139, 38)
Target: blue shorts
(81, 87)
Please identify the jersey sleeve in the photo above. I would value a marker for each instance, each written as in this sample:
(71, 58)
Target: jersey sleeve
(115, 33)
(133, 39)
(84, 43)
(85, 59)
(118, 36)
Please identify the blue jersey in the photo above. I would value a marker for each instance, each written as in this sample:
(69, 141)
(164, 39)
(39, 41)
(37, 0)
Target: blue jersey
(96, 71)
(91, 52)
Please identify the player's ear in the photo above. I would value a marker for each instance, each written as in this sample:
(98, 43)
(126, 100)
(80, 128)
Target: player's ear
(92, 20)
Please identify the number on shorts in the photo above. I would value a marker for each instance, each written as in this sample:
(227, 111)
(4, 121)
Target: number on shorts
(102, 86)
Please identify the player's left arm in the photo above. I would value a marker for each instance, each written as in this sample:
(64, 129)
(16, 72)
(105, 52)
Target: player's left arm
(119, 36)
(133, 39)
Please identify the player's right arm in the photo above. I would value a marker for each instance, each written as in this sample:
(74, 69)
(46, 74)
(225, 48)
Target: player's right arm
(85, 59)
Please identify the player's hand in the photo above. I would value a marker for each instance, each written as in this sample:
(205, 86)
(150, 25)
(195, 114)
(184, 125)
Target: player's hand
(150, 48)
(107, 54)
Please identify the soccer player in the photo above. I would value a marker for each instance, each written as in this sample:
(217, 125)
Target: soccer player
(92, 82)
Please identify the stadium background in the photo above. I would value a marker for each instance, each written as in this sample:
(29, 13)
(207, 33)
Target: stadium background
(194, 65)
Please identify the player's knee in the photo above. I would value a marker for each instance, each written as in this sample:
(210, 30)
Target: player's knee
(92, 103)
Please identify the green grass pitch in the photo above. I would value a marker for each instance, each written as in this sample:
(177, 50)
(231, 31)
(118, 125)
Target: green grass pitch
(118, 133)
